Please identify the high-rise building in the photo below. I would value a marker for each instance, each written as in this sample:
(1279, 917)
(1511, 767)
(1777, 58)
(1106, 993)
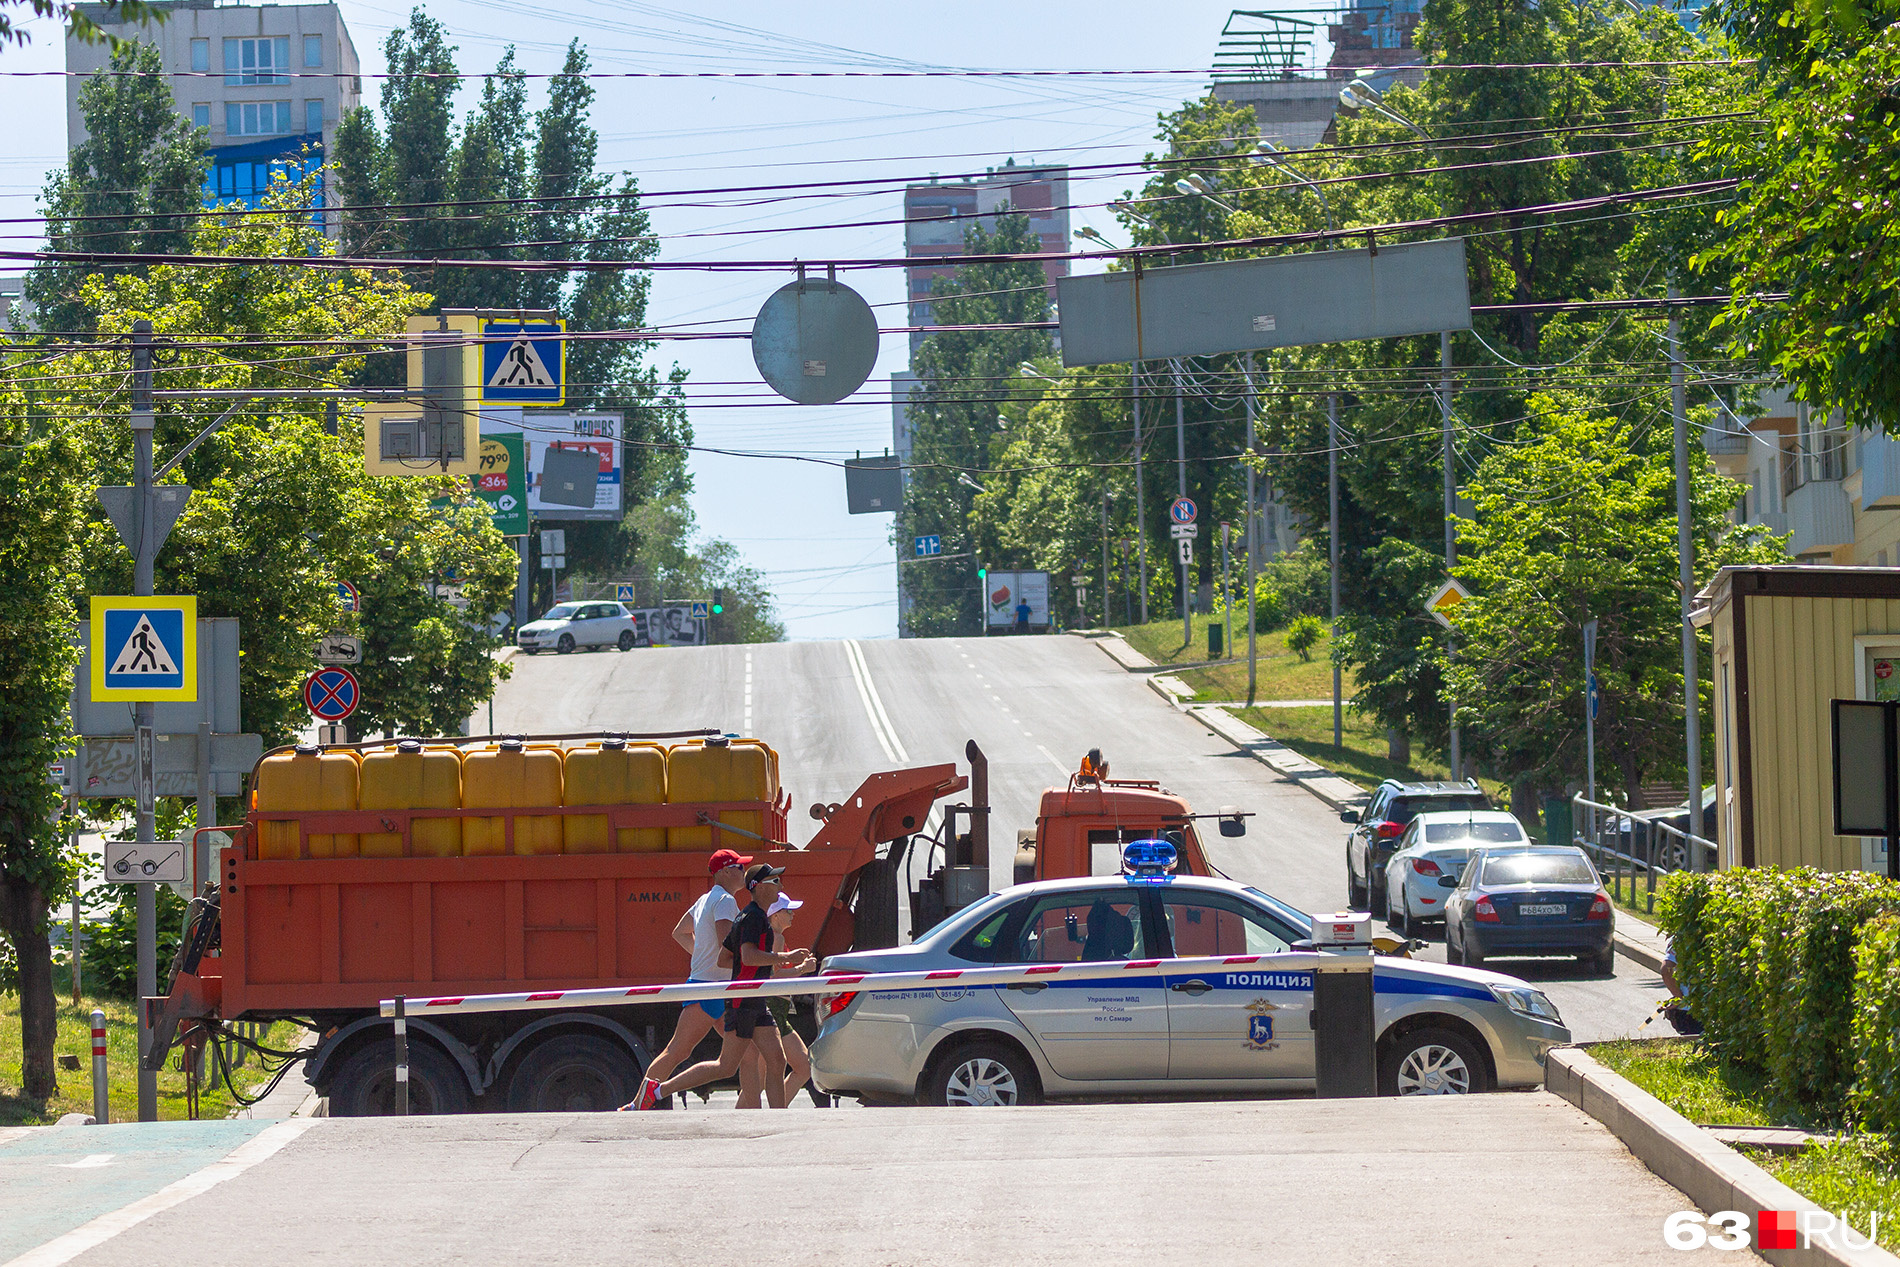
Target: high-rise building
(268, 83)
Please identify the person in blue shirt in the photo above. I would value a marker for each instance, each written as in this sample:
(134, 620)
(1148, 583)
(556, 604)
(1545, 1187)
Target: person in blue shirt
(1022, 616)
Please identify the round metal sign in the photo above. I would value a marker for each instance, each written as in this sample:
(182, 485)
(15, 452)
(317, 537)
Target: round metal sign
(1183, 511)
(331, 694)
(815, 342)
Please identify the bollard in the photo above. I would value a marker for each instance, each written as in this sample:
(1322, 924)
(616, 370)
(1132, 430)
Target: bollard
(101, 1104)
(1344, 1049)
(402, 1060)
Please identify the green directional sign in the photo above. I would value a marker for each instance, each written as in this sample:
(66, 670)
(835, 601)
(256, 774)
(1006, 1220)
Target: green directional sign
(501, 480)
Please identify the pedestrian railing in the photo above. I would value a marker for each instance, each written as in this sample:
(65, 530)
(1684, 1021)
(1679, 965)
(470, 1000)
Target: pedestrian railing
(1631, 852)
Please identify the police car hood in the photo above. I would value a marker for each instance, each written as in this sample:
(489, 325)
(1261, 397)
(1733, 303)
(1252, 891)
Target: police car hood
(1428, 974)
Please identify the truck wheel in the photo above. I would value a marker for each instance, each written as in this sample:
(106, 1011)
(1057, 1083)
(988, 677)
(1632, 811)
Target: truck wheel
(574, 1073)
(1431, 1062)
(626, 640)
(875, 907)
(366, 1084)
(982, 1075)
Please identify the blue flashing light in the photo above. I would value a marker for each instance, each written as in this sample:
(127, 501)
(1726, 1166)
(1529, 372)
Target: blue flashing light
(1148, 861)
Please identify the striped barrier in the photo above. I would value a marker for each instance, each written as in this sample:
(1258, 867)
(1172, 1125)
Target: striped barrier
(832, 982)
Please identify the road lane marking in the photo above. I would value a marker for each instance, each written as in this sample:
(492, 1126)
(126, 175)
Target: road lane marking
(1052, 758)
(63, 1249)
(88, 1163)
(873, 705)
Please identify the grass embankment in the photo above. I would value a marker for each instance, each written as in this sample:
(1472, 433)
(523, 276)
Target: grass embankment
(1854, 1172)
(1361, 757)
(75, 1086)
(1280, 674)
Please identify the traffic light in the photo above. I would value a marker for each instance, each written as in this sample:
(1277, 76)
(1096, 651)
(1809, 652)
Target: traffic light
(982, 574)
(719, 602)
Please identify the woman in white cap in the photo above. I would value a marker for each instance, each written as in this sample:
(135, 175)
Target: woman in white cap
(797, 1055)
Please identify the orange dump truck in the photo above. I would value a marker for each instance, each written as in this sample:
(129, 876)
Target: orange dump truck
(471, 866)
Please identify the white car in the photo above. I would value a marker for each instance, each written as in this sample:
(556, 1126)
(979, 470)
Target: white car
(570, 625)
(1432, 852)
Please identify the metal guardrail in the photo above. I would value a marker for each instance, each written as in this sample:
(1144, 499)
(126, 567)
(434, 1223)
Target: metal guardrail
(1629, 850)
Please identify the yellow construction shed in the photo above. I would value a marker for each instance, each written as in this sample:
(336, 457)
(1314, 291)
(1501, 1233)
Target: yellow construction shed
(1788, 641)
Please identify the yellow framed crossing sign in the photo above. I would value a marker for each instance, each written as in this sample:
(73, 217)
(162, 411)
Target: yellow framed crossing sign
(145, 649)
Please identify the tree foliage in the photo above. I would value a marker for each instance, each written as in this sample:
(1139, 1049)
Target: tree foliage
(1577, 522)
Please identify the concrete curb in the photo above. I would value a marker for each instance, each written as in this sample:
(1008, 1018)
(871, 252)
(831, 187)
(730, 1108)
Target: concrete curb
(1340, 793)
(1116, 648)
(1711, 1174)
(1630, 948)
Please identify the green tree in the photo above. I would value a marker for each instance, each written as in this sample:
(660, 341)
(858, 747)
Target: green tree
(1806, 249)
(128, 187)
(81, 23)
(1576, 522)
(967, 378)
(43, 477)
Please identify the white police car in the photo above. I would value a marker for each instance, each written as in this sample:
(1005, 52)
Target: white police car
(1441, 1030)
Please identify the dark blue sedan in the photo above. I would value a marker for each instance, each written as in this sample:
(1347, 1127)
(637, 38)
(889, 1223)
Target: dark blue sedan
(1536, 901)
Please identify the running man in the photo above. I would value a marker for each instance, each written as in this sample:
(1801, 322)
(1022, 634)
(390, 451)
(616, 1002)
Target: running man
(748, 1023)
(701, 933)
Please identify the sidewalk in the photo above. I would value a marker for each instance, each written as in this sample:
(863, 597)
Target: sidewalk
(1337, 792)
(1641, 941)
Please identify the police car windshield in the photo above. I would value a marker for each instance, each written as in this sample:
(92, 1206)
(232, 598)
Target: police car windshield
(566, 611)
(1294, 916)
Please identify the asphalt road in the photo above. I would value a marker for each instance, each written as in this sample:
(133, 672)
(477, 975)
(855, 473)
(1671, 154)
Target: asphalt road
(1034, 705)
(1505, 1179)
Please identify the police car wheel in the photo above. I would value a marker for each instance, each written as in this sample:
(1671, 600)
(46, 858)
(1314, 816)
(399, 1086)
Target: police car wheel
(1431, 1062)
(982, 1075)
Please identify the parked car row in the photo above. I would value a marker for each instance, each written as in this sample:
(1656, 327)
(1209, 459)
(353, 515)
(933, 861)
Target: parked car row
(1437, 851)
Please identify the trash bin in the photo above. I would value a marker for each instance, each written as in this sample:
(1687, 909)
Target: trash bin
(1214, 633)
(1557, 826)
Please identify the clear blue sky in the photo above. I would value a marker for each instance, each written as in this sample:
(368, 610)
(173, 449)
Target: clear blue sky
(833, 572)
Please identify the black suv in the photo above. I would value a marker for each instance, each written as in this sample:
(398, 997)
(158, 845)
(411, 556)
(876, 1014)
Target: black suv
(1375, 833)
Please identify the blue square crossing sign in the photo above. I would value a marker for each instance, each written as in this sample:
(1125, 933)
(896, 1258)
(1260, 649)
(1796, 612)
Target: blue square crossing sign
(144, 649)
(523, 362)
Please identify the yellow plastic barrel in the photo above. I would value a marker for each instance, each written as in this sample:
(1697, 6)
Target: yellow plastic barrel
(512, 776)
(720, 769)
(613, 772)
(414, 777)
(303, 780)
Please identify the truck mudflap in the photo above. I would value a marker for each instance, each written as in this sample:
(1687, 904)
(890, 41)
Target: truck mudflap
(196, 989)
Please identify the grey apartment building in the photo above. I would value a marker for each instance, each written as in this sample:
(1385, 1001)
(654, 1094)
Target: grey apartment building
(269, 83)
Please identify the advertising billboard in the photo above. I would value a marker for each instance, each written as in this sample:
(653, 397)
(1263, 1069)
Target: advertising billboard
(544, 431)
(1005, 592)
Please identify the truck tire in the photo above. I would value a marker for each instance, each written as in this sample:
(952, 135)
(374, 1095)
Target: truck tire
(365, 1084)
(574, 1073)
(875, 906)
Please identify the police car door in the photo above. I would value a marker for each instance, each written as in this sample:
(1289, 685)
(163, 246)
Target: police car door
(1253, 1022)
(1091, 1031)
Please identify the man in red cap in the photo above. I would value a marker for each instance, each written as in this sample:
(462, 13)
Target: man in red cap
(701, 933)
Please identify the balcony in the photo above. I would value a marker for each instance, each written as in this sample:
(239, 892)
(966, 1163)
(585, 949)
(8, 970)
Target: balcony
(1820, 517)
(1879, 472)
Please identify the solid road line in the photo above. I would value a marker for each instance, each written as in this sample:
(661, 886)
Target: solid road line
(63, 1249)
(874, 706)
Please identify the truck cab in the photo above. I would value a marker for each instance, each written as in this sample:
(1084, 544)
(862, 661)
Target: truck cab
(1081, 828)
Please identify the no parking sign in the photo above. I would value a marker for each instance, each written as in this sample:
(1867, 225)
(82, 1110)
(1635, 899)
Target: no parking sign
(331, 694)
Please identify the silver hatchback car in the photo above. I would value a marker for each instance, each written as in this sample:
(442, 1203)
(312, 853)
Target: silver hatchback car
(1442, 1030)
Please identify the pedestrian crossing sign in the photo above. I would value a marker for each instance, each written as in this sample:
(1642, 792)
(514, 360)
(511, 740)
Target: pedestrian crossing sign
(523, 362)
(145, 649)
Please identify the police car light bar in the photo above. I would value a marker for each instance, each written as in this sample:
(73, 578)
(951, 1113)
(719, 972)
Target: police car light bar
(826, 983)
(1150, 860)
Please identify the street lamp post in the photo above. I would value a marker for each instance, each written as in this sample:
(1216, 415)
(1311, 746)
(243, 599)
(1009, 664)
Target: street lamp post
(1087, 233)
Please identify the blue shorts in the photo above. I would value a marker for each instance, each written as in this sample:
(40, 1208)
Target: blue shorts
(714, 1008)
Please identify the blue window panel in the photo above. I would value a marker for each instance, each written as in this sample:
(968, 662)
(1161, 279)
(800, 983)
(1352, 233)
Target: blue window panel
(201, 55)
(234, 119)
(201, 116)
(313, 116)
(312, 51)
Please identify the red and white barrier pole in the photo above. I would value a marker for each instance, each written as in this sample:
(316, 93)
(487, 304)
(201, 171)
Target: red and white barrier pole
(832, 983)
(101, 1102)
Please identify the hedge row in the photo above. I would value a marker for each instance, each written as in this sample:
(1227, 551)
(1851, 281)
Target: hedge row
(1797, 974)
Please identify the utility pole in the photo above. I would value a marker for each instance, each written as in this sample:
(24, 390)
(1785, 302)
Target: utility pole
(1141, 508)
(1180, 466)
(144, 558)
(1685, 549)
(1451, 534)
(1253, 544)
(1332, 534)
(1105, 620)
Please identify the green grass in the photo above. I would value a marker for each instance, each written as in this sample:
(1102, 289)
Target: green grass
(1856, 1173)
(1279, 673)
(1362, 756)
(75, 1086)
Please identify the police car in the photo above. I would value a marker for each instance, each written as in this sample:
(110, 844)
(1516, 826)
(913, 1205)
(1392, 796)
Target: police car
(1441, 1030)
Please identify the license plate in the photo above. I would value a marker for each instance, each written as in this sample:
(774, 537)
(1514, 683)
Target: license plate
(1543, 908)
